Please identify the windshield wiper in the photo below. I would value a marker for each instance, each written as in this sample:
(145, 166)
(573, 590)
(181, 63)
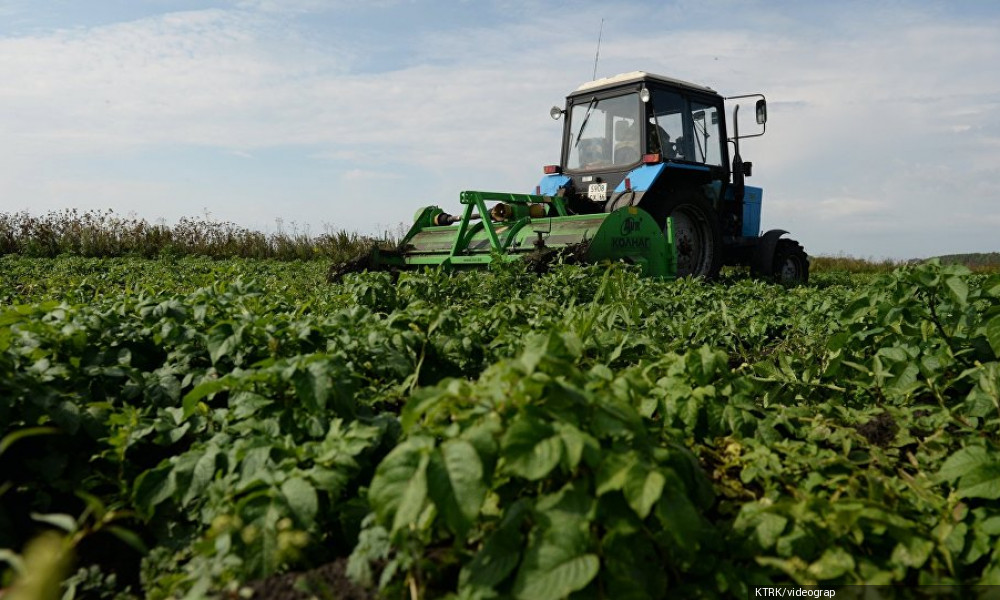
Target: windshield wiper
(704, 131)
(586, 117)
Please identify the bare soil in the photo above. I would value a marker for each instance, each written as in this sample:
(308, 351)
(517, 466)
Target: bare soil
(328, 582)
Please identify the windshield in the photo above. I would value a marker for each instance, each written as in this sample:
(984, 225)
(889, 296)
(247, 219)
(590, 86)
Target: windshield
(604, 133)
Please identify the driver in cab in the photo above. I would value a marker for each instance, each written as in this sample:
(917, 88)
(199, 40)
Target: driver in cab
(626, 142)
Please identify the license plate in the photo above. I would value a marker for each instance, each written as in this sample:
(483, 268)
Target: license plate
(598, 192)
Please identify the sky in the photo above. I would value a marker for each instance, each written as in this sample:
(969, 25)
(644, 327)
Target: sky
(883, 133)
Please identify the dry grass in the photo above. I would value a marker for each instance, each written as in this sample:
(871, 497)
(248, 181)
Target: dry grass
(851, 264)
(101, 234)
(106, 234)
(979, 263)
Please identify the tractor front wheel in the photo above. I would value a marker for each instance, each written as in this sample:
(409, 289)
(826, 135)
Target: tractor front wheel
(791, 264)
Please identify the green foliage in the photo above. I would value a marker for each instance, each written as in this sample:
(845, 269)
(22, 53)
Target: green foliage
(584, 433)
(560, 480)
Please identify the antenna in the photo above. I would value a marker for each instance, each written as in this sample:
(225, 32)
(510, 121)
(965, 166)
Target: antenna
(598, 55)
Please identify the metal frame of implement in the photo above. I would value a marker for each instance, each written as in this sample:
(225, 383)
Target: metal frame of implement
(520, 224)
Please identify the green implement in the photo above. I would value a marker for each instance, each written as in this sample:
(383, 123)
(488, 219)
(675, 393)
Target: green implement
(525, 226)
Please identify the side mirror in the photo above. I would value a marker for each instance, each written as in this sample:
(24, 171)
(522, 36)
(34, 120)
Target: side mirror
(747, 169)
(761, 111)
(555, 112)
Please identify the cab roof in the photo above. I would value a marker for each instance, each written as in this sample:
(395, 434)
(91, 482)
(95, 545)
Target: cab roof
(635, 76)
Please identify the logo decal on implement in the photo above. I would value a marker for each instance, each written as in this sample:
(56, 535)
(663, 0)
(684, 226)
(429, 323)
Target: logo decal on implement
(636, 243)
(629, 225)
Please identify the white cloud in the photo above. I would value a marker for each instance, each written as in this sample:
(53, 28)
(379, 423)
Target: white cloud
(206, 77)
(285, 5)
(309, 6)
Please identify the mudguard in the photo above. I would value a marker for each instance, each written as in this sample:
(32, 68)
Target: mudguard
(641, 179)
(763, 257)
(551, 184)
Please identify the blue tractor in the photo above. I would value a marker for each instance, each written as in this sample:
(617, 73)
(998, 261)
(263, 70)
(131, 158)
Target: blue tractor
(662, 145)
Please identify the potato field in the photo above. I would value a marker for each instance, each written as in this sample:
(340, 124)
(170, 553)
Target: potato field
(180, 427)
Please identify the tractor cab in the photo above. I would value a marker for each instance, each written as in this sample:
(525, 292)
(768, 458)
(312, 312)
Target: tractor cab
(662, 145)
(614, 126)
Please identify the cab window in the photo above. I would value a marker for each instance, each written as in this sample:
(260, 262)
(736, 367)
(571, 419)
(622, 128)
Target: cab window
(604, 133)
(667, 126)
(683, 129)
(706, 146)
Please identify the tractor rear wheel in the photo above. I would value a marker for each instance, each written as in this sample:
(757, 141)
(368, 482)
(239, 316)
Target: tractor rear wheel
(697, 237)
(791, 264)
